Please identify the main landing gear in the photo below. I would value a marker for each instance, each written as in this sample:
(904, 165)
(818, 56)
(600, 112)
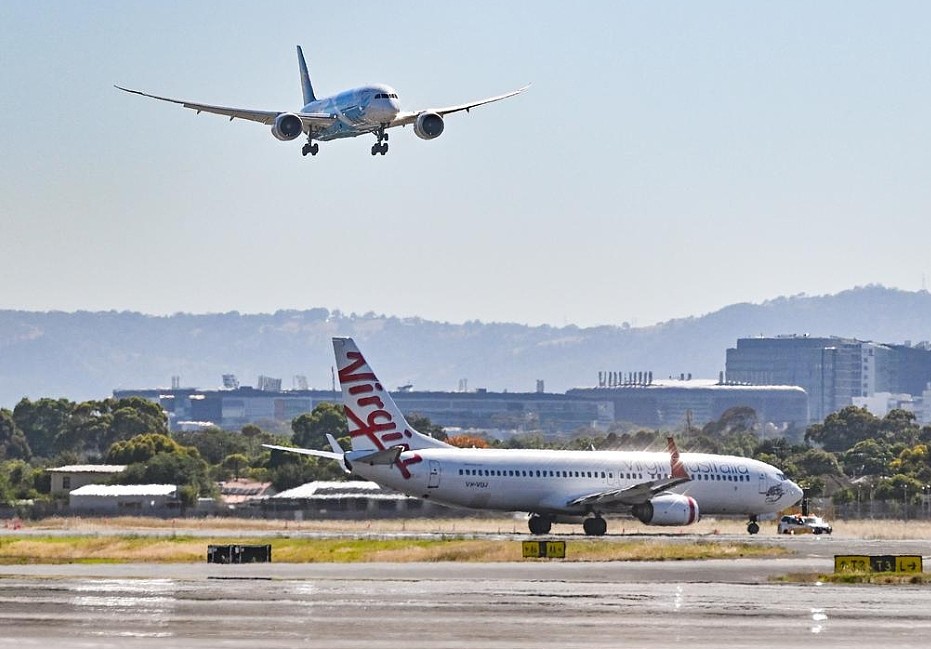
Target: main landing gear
(540, 524)
(382, 147)
(595, 526)
(753, 527)
(311, 147)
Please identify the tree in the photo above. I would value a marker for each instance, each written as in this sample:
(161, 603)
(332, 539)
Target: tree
(843, 429)
(739, 419)
(214, 444)
(900, 426)
(235, 463)
(143, 448)
(868, 457)
(467, 441)
(13, 443)
(310, 429)
(42, 422)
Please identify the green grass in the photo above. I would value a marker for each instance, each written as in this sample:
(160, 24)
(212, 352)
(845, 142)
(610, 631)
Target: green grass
(133, 548)
(882, 578)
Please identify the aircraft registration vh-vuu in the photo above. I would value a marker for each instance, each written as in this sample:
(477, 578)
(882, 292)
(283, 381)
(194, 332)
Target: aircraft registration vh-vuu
(658, 488)
(369, 109)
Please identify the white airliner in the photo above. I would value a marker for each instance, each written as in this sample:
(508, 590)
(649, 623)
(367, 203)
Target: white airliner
(657, 488)
(369, 109)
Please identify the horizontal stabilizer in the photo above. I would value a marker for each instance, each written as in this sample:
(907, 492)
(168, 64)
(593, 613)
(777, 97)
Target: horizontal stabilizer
(305, 451)
(388, 456)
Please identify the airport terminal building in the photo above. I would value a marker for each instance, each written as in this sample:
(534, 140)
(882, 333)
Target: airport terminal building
(660, 404)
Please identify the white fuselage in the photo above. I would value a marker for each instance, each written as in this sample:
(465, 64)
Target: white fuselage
(543, 481)
(360, 110)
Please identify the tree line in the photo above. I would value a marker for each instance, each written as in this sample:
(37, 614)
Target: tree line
(849, 449)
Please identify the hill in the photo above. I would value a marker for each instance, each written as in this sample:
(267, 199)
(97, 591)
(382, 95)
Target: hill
(86, 355)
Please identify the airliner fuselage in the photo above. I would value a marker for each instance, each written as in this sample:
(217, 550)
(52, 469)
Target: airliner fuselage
(542, 481)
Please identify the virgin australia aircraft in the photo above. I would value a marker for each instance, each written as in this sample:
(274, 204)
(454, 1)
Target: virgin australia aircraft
(369, 109)
(668, 488)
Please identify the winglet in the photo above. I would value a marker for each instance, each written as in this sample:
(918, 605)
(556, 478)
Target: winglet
(306, 86)
(678, 469)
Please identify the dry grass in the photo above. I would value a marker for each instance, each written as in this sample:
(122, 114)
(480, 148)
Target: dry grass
(862, 529)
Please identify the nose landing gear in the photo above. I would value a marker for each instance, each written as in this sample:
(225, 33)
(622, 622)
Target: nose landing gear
(753, 527)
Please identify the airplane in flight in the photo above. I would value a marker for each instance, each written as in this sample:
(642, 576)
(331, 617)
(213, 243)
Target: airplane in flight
(366, 110)
(658, 488)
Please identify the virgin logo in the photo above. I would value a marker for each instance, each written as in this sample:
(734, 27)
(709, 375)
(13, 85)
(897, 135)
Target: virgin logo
(373, 421)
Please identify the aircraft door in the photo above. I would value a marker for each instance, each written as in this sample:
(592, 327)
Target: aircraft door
(764, 483)
(433, 481)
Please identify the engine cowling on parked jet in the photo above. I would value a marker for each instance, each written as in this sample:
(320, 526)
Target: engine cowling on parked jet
(288, 126)
(429, 125)
(668, 509)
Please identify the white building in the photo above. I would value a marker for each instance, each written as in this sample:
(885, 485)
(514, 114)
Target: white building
(74, 476)
(124, 499)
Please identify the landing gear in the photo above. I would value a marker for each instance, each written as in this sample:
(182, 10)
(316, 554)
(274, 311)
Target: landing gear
(382, 145)
(595, 526)
(540, 524)
(753, 527)
(311, 147)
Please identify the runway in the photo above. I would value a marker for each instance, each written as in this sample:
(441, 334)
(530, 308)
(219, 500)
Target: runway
(700, 604)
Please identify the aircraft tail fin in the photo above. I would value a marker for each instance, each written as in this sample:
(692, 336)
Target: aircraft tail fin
(306, 86)
(375, 421)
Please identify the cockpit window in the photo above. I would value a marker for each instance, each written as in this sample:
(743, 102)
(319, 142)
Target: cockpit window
(781, 476)
(385, 95)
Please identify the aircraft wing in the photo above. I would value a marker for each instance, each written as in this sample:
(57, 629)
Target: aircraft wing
(406, 118)
(641, 492)
(261, 116)
(628, 496)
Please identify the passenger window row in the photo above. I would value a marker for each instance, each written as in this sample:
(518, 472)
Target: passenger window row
(547, 473)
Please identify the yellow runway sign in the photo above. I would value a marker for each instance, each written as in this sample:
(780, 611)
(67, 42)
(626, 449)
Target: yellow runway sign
(907, 563)
(544, 549)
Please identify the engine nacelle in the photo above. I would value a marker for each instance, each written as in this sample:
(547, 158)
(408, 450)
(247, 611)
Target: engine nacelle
(288, 126)
(668, 509)
(429, 126)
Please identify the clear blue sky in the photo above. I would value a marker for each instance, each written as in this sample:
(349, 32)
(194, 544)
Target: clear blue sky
(671, 158)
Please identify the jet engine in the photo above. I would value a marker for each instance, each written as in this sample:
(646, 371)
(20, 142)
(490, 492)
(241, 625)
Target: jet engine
(668, 509)
(287, 127)
(428, 126)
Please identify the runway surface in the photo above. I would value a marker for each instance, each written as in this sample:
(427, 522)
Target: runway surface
(721, 603)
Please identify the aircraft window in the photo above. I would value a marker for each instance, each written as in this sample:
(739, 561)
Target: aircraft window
(602, 475)
(565, 474)
(524, 474)
(611, 476)
(538, 473)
